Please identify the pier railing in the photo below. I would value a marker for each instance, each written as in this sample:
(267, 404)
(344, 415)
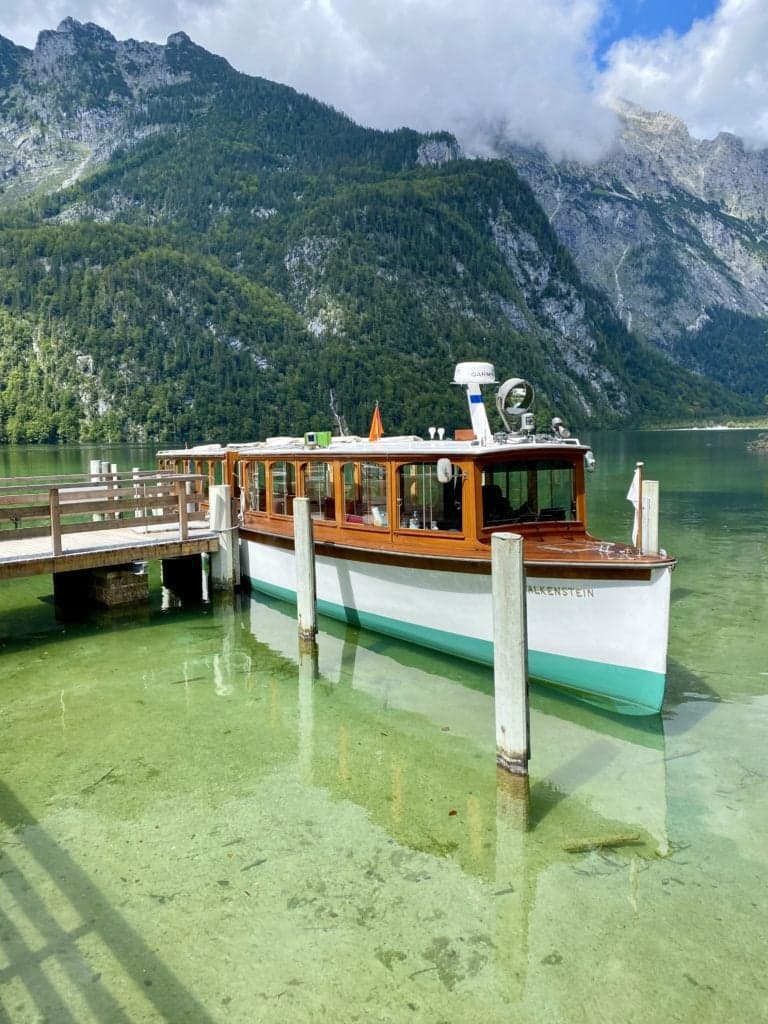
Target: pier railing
(54, 506)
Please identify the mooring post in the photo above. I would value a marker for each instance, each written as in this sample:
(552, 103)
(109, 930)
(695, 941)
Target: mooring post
(225, 563)
(306, 595)
(650, 517)
(510, 653)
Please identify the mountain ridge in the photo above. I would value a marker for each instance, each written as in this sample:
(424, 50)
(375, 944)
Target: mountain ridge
(386, 256)
(674, 230)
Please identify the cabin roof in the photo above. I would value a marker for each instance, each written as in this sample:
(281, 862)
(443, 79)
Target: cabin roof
(290, 447)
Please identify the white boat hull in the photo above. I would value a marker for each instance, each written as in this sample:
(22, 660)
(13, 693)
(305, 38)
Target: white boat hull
(605, 639)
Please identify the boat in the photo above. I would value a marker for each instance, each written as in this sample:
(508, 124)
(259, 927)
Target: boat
(402, 530)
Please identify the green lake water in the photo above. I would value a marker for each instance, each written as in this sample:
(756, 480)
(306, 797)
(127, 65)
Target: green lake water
(195, 826)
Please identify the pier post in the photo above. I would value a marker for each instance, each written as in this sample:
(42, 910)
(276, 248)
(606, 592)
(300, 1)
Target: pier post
(114, 484)
(181, 497)
(510, 653)
(53, 506)
(306, 595)
(94, 471)
(225, 563)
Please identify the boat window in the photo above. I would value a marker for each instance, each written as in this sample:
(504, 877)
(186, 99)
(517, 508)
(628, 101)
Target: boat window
(426, 504)
(526, 491)
(253, 480)
(365, 493)
(283, 479)
(318, 488)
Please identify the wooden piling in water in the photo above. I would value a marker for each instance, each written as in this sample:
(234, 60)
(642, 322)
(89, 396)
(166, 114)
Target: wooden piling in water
(225, 563)
(510, 653)
(306, 595)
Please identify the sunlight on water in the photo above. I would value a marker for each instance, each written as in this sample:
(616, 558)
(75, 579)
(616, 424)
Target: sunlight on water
(195, 826)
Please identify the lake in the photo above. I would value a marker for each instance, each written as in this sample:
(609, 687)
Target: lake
(195, 826)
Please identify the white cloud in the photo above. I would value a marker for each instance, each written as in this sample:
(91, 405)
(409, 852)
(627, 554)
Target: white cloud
(714, 77)
(521, 66)
(524, 66)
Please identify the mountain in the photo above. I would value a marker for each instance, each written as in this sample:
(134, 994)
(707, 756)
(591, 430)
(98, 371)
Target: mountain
(674, 230)
(190, 253)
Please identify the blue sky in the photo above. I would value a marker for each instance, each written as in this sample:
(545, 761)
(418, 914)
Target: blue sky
(649, 19)
(538, 71)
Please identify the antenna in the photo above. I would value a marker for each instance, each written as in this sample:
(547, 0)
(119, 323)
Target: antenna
(341, 423)
(471, 376)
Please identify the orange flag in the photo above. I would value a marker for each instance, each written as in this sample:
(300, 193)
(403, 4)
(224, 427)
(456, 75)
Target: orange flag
(377, 427)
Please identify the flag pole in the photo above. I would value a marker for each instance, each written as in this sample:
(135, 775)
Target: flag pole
(639, 468)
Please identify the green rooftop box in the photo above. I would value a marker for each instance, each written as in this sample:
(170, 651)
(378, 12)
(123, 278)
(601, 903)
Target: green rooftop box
(322, 438)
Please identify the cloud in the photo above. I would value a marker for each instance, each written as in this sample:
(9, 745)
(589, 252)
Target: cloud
(523, 68)
(714, 77)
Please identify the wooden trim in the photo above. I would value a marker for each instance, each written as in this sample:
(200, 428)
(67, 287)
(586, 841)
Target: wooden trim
(470, 566)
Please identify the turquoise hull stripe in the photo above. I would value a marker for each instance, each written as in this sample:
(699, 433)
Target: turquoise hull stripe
(631, 690)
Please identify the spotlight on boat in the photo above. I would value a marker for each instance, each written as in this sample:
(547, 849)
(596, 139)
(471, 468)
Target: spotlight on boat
(560, 428)
(589, 460)
(515, 398)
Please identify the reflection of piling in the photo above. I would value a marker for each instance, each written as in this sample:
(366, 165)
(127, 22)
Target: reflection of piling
(308, 674)
(510, 653)
(515, 888)
(306, 594)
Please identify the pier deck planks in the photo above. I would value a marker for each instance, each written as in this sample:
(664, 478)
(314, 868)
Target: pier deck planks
(32, 556)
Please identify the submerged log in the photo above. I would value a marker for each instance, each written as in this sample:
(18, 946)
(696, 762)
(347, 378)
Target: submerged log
(601, 842)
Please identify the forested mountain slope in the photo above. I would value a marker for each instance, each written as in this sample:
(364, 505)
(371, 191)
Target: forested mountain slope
(229, 251)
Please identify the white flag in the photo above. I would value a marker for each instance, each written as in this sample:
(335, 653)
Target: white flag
(633, 495)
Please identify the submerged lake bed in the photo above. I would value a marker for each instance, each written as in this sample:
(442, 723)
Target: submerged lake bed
(196, 826)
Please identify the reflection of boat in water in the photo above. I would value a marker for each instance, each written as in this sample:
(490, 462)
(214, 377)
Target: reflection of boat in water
(592, 773)
(403, 530)
(387, 752)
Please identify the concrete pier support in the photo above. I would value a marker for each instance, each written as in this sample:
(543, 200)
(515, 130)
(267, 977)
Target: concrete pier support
(110, 587)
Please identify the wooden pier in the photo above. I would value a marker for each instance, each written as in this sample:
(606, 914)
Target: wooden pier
(72, 523)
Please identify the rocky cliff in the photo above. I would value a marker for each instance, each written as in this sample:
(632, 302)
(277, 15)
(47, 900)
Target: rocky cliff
(674, 230)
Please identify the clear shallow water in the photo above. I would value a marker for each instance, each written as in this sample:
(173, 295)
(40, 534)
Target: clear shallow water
(195, 828)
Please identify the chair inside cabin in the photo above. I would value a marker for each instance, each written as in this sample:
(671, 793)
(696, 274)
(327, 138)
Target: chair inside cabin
(496, 508)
